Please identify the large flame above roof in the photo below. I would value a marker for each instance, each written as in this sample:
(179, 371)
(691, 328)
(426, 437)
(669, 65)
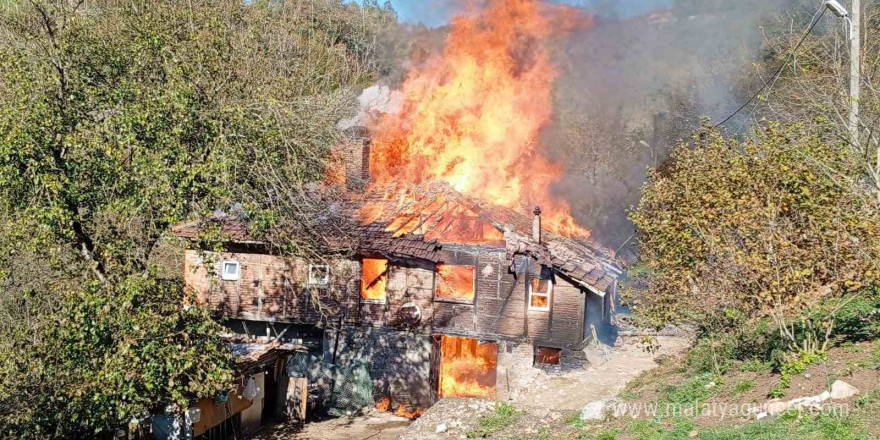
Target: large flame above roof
(472, 114)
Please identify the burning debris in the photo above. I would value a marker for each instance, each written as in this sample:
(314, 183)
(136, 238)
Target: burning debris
(471, 115)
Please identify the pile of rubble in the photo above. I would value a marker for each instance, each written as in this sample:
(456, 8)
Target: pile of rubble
(450, 418)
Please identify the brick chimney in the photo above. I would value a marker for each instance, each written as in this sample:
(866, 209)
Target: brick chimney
(536, 225)
(355, 151)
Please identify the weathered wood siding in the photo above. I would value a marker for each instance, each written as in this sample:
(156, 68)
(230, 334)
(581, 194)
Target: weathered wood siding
(500, 306)
(273, 288)
(269, 288)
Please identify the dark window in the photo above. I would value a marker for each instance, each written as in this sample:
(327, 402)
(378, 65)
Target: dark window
(547, 355)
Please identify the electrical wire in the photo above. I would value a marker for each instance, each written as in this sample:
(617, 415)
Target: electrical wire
(769, 84)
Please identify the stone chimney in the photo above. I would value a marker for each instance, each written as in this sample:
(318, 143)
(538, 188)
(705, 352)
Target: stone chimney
(536, 225)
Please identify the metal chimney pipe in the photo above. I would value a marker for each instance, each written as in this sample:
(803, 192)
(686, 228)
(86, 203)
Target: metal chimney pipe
(536, 225)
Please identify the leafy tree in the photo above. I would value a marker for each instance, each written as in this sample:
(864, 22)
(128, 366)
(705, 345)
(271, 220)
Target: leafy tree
(817, 82)
(119, 119)
(769, 226)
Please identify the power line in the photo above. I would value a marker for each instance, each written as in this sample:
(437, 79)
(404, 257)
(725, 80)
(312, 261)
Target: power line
(775, 76)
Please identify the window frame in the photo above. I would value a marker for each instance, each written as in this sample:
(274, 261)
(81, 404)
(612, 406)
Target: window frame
(316, 282)
(549, 294)
(439, 298)
(230, 277)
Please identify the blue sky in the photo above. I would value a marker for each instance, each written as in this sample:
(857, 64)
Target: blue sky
(437, 12)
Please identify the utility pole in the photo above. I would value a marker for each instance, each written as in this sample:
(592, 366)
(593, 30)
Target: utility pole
(855, 77)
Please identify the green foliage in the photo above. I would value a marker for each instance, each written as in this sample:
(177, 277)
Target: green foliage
(648, 429)
(113, 355)
(119, 119)
(743, 386)
(797, 364)
(859, 319)
(574, 420)
(869, 398)
(607, 434)
(733, 231)
(503, 416)
(711, 355)
(823, 427)
(755, 366)
(693, 390)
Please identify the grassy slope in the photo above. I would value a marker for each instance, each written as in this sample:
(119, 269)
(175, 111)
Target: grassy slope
(676, 381)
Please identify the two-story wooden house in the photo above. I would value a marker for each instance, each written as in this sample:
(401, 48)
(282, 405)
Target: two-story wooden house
(443, 296)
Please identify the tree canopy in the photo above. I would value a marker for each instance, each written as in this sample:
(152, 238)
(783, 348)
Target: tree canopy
(768, 226)
(119, 119)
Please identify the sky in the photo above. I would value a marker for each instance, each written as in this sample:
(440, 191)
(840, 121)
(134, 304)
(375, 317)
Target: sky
(437, 12)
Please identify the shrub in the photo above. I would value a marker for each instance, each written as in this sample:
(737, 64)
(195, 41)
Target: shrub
(726, 225)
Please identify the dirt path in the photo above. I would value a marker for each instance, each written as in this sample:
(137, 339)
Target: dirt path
(374, 426)
(551, 397)
(607, 375)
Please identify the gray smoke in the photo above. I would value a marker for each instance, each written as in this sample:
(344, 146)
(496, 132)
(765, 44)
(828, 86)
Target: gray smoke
(631, 87)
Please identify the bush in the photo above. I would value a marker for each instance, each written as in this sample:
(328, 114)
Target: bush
(731, 231)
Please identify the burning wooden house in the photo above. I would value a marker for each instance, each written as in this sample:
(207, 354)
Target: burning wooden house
(444, 296)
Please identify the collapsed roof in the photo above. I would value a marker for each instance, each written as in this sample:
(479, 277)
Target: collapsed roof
(438, 214)
(417, 220)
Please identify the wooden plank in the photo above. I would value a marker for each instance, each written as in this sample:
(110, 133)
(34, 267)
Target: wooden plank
(304, 397)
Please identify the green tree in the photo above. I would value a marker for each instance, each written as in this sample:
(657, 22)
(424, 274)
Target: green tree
(769, 226)
(119, 119)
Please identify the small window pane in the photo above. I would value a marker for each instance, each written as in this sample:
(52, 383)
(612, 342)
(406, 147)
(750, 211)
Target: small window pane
(230, 270)
(319, 274)
(540, 286)
(540, 291)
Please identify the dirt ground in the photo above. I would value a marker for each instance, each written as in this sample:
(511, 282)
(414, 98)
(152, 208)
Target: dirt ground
(609, 372)
(554, 397)
(374, 426)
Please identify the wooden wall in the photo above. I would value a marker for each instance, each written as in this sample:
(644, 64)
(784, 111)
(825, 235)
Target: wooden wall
(272, 288)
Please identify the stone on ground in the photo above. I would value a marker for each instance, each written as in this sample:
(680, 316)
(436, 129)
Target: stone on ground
(841, 390)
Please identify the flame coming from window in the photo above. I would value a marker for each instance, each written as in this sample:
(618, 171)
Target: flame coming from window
(472, 114)
(467, 368)
(455, 282)
(374, 276)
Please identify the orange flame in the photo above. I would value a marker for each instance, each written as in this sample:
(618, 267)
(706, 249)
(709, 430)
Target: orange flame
(467, 368)
(455, 282)
(385, 405)
(471, 116)
(374, 276)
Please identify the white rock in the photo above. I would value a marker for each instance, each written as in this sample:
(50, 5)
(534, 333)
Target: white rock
(441, 428)
(802, 401)
(761, 415)
(842, 390)
(776, 407)
(600, 409)
(710, 384)
(823, 397)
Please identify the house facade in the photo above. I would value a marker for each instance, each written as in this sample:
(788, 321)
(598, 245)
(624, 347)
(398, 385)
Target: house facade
(441, 296)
